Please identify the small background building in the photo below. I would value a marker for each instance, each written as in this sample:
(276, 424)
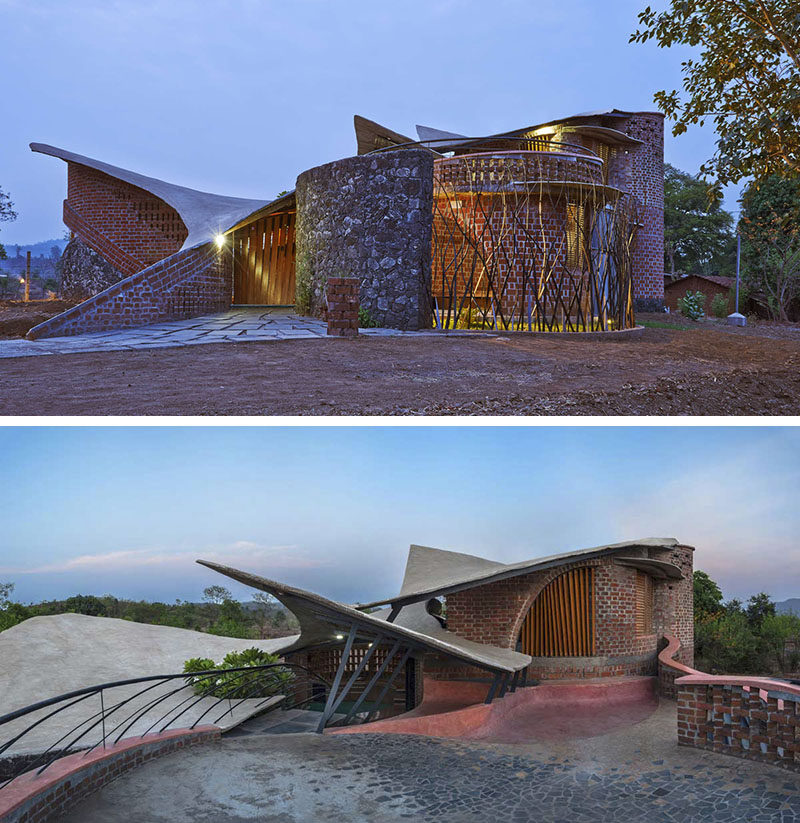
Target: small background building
(707, 284)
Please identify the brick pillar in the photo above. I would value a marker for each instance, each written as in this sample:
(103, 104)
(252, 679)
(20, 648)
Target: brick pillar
(343, 306)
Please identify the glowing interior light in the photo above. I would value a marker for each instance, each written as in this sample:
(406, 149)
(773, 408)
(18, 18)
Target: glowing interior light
(219, 240)
(340, 637)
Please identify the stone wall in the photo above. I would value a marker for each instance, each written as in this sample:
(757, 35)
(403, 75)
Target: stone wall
(84, 272)
(187, 284)
(368, 217)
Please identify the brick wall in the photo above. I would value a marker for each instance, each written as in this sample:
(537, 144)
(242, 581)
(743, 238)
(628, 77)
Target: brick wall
(128, 226)
(342, 314)
(494, 614)
(647, 187)
(33, 798)
(755, 718)
(677, 289)
(187, 284)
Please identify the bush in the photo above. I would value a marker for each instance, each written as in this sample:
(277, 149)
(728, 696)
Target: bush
(365, 320)
(238, 684)
(692, 305)
(719, 305)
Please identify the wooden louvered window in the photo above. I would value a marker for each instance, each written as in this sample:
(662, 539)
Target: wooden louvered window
(644, 603)
(560, 622)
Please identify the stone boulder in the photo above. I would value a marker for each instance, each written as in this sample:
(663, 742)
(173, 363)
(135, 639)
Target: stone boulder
(84, 272)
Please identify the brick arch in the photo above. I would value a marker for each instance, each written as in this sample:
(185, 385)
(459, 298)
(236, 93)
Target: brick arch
(545, 579)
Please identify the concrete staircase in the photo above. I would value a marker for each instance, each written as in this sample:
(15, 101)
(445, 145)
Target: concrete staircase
(290, 721)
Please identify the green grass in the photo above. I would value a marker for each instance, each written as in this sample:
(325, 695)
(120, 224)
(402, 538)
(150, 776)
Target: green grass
(656, 324)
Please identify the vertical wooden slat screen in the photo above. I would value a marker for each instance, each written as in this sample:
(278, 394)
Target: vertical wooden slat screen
(263, 261)
(560, 622)
(644, 603)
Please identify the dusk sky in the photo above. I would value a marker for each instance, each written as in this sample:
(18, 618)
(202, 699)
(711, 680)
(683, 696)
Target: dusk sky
(333, 509)
(238, 97)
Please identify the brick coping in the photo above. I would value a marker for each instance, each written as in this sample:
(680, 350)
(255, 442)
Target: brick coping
(36, 797)
(694, 677)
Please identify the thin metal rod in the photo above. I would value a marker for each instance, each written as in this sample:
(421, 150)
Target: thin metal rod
(504, 685)
(376, 705)
(354, 708)
(328, 710)
(493, 688)
(357, 673)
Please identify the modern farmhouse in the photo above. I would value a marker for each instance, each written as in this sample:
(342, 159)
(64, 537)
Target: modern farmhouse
(556, 226)
(462, 623)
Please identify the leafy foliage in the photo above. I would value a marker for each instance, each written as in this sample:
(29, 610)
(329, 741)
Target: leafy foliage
(698, 233)
(734, 638)
(745, 79)
(365, 320)
(7, 214)
(237, 685)
(691, 305)
(719, 305)
(770, 228)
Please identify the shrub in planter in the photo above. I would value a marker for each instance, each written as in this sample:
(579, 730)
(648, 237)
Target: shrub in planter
(691, 306)
(243, 684)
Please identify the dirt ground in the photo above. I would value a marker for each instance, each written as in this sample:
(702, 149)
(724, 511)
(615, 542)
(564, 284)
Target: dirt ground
(17, 316)
(670, 371)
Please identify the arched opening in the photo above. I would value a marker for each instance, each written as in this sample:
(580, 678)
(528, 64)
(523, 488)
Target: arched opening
(561, 620)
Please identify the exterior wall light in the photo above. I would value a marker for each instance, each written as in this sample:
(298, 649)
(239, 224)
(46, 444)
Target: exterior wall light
(219, 239)
(339, 636)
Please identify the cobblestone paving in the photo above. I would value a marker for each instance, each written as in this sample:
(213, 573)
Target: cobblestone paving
(638, 774)
(245, 325)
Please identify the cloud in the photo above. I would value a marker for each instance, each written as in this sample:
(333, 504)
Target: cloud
(245, 553)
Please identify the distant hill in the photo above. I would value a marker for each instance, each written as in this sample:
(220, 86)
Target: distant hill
(40, 249)
(788, 606)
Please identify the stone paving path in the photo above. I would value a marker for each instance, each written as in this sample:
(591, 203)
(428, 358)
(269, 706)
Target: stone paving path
(233, 326)
(637, 774)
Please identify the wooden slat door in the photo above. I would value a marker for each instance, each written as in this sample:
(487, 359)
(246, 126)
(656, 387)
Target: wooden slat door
(263, 261)
(560, 622)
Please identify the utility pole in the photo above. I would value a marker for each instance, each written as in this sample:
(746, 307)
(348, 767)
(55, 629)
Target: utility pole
(737, 319)
(27, 276)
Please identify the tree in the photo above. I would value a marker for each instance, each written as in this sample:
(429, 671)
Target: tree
(698, 236)
(759, 606)
(780, 635)
(770, 229)
(746, 80)
(216, 594)
(11, 613)
(707, 597)
(85, 604)
(7, 214)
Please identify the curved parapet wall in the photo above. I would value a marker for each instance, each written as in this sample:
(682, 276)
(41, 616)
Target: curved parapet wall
(34, 798)
(368, 217)
(187, 284)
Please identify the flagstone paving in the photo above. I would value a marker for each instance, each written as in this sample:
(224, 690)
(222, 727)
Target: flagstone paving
(241, 325)
(639, 774)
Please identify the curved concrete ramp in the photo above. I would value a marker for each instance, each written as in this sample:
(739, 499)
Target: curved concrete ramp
(552, 711)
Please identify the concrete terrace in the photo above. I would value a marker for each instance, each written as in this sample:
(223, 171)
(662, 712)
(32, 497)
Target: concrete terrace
(637, 773)
(237, 325)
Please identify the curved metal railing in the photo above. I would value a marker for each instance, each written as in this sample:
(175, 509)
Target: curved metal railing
(26, 744)
(466, 145)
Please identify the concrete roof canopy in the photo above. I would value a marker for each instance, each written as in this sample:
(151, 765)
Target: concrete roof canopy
(434, 572)
(322, 621)
(204, 214)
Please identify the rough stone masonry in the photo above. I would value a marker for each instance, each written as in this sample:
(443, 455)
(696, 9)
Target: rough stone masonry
(368, 217)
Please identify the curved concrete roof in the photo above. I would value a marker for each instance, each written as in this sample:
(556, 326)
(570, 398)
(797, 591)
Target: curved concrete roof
(73, 651)
(321, 620)
(204, 214)
(433, 572)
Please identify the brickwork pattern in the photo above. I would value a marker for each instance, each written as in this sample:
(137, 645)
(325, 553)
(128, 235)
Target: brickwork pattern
(188, 284)
(128, 226)
(48, 798)
(494, 614)
(742, 721)
(368, 217)
(647, 187)
(342, 313)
